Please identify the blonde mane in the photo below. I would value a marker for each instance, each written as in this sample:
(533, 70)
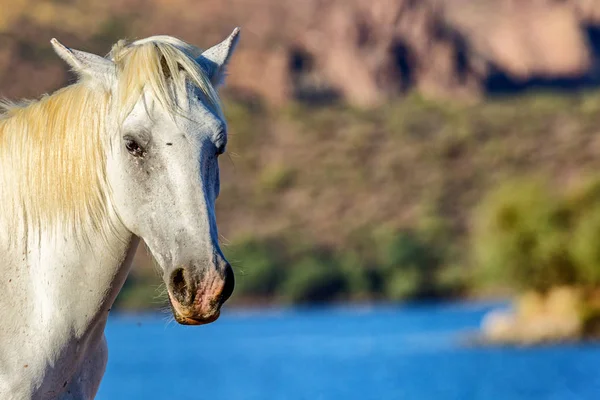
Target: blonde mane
(53, 150)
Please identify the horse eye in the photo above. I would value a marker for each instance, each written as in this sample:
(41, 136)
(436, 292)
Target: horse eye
(134, 148)
(220, 150)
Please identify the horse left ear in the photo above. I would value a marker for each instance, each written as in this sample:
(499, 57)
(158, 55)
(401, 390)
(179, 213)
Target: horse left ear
(215, 59)
(83, 63)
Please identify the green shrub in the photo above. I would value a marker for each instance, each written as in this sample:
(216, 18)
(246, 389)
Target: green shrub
(407, 263)
(353, 269)
(404, 249)
(523, 235)
(257, 267)
(312, 279)
(141, 292)
(452, 280)
(403, 284)
(586, 247)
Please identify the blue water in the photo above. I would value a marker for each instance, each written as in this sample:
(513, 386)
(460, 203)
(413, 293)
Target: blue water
(411, 352)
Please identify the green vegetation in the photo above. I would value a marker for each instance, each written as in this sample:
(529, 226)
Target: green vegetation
(413, 200)
(535, 238)
(141, 291)
(385, 265)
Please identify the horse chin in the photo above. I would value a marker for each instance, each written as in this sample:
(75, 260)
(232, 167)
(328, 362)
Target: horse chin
(193, 319)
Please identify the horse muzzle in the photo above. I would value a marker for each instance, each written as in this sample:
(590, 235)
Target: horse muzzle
(196, 295)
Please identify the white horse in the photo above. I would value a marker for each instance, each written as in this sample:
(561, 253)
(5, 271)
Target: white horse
(129, 151)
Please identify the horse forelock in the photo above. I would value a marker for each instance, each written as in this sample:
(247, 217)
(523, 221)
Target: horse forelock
(149, 63)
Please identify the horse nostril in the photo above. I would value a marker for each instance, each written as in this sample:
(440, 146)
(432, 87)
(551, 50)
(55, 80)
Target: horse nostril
(229, 284)
(179, 286)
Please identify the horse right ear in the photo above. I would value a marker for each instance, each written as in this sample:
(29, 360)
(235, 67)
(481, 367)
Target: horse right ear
(84, 64)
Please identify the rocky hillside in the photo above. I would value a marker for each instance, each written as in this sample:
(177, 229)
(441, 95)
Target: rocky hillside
(363, 51)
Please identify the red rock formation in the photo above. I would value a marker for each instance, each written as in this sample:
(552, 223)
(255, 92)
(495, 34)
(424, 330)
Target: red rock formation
(364, 51)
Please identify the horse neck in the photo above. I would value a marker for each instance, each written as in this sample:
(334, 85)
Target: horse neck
(68, 285)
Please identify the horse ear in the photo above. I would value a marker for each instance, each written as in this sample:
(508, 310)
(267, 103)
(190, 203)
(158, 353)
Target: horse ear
(215, 59)
(83, 63)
